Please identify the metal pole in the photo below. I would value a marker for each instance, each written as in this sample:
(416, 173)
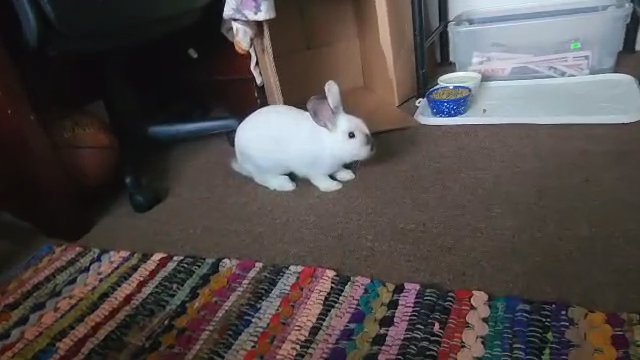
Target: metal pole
(443, 15)
(631, 35)
(419, 43)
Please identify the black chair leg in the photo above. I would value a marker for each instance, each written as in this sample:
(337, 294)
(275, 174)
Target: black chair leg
(143, 195)
(124, 113)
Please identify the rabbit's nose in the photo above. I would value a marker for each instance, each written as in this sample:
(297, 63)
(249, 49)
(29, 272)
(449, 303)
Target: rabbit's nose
(369, 140)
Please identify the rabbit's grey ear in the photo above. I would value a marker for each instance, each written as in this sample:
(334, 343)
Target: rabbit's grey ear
(321, 112)
(332, 91)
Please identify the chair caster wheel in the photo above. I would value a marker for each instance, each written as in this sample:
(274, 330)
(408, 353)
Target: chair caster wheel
(231, 137)
(142, 197)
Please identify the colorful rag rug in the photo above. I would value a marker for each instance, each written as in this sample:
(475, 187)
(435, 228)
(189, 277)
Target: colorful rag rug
(71, 302)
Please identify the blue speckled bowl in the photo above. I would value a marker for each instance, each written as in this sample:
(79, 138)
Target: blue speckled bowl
(448, 108)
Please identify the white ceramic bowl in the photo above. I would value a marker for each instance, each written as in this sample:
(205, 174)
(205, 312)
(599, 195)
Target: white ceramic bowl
(469, 79)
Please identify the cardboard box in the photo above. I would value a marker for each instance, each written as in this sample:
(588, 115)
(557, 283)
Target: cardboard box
(366, 46)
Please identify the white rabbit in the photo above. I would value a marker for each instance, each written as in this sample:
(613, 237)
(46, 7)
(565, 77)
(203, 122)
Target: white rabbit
(277, 140)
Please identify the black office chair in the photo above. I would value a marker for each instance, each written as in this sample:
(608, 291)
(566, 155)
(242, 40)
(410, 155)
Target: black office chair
(109, 28)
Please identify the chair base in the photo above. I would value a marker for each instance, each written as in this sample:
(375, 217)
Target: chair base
(142, 197)
(193, 129)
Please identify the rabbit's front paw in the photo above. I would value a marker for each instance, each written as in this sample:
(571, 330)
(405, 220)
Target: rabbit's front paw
(344, 175)
(326, 184)
(277, 183)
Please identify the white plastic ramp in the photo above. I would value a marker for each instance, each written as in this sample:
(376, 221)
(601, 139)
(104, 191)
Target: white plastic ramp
(593, 99)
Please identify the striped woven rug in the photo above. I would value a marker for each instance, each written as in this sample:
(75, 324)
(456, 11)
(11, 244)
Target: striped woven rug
(69, 302)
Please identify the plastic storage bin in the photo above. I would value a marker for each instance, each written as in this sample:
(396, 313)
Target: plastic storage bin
(540, 41)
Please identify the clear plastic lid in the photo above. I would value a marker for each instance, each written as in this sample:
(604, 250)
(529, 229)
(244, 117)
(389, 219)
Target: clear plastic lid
(519, 13)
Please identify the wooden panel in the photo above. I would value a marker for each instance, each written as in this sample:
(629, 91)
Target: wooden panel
(224, 77)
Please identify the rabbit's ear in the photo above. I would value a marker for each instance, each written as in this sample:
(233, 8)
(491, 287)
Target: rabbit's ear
(321, 112)
(332, 91)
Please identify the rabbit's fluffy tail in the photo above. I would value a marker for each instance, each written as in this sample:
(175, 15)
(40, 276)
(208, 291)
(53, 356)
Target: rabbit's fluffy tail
(239, 168)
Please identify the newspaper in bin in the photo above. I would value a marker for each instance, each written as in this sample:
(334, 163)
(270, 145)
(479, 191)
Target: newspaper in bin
(498, 64)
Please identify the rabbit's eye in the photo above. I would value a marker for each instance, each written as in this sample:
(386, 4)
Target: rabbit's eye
(352, 135)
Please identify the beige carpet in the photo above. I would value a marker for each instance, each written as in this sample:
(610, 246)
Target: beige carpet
(546, 212)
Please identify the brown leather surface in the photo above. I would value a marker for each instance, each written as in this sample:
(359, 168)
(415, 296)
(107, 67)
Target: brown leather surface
(34, 187)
